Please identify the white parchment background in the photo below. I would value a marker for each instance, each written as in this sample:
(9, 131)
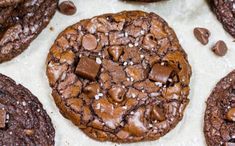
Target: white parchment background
(183, 15)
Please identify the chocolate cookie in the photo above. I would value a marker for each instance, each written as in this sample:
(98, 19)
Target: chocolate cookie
(21, 22)
(219, 121)
(225, 12)
(23, 121)
(4, 3)
(144, 0)
(120, 77)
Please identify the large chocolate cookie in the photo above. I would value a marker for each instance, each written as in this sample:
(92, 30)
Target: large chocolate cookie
(225, 12)
(143, 0)
(23, 121)
(21, 22)
(120, 77)
(219, 126)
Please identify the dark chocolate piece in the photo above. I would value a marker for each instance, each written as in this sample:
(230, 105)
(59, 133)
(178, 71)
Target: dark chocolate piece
(67, 8)
(220, 48)
(202, 35)
(160, 73)
(87, 68)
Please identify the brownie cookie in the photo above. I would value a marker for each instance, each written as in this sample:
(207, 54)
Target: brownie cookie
(120, 77)
(23, 121)
(219, 121)
(225, 12)
(144, 0)
(21, 22)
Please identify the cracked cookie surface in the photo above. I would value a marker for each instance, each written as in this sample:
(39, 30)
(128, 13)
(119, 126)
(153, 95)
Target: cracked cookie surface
(225, 12)
(120, 77)
(219, 120)
(20, 23)
(23, 121)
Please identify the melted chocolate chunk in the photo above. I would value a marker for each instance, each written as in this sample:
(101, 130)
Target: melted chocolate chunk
(111, 82)
(160, 73)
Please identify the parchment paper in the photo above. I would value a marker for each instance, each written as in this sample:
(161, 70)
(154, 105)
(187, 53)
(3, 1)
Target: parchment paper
(183, 15)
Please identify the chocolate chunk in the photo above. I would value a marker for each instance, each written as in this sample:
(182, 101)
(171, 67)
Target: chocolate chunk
(2, 118)
(115, 52)
(87, 68)
(157, 114)
(231, 115)
(89, 42)
(117, 93)
(67, 8)
(160, 73)
(220, 48)
(202, 35)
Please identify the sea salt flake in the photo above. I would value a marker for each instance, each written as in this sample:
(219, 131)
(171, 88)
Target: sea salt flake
(130, 45)
(24, 103)
(98, 60)
(125, 63)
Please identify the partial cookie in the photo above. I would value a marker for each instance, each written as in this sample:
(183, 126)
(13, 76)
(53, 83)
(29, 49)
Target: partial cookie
(144, 0)
(23, 121)
(120, 77)
(5, 3)
(219, 121)
(225, 12)
(20, 23)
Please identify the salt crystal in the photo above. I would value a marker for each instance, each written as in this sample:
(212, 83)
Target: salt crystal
(130, 45)
(98, 60)
(24, 103)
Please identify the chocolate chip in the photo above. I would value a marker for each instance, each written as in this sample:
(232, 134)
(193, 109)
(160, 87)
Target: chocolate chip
(89, 42)
(117, 93)
(160, 73)
(220, 48)
(202, 35)
(115, 52)
(2, 118)
(231, 115)
(150, 41)
(87, 68)
(229, 144)
(67, 8)
(92, 89)
(157, 114)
